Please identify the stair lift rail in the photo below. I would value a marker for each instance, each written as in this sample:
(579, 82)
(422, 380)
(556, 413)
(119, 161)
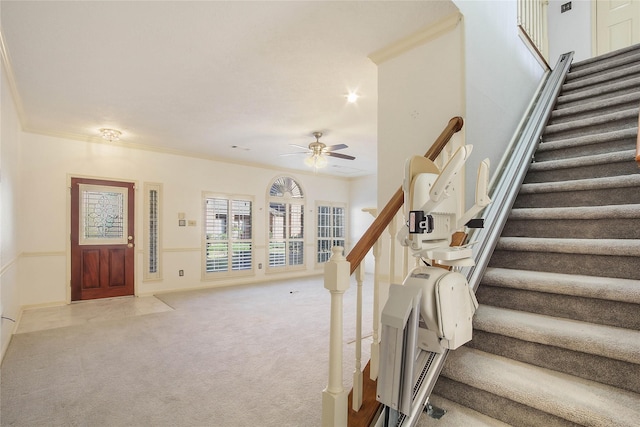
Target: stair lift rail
(513, 167)
(503, 190)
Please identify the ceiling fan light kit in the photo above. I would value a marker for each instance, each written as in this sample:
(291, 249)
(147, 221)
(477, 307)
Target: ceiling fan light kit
(318, 151)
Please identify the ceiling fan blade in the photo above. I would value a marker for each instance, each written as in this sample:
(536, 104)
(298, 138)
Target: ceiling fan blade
(336, 147)
(295, 153)
(300, 146)
(340, 156)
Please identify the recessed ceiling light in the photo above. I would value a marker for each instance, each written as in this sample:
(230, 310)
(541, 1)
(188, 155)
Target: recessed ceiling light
(352, 97)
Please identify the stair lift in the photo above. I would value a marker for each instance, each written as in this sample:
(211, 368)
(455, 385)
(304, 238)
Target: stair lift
(433, 309)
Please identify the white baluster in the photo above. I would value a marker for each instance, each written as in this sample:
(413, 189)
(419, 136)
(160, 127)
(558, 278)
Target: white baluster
(334, 396)
(357, 373)
(392, 250)
(375, 345)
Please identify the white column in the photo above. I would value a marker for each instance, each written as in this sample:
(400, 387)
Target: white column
(357, 373)
(334, 396)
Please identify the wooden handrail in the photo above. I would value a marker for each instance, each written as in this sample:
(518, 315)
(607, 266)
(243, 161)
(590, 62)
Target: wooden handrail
(637, 146)
(373, 233)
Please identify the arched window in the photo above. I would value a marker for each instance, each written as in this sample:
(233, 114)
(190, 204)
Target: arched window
(286, 224)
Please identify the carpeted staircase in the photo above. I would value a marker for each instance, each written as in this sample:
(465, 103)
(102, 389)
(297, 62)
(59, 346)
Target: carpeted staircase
(557, 335)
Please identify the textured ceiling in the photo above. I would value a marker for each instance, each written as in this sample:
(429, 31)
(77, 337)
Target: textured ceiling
(204, 77)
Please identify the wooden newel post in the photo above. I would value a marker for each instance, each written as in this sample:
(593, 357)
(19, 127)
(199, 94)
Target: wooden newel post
(335, 398)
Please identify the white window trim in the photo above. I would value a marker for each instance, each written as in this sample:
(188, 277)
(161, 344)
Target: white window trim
(147, 275)
(218, 275)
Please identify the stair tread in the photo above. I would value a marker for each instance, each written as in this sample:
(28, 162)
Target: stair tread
(578, 400)
(627, 133)
(579, 212)
(594, 106)
(601, 340)
(593, 159)
(603, 66)
(582, 184)
(601, 78)
(594, 61)
(607, 247)
(608, 288)
(631, 83)
(457, 415)
(630, 113)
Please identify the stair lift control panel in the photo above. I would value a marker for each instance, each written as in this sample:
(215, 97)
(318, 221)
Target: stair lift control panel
(433, 308)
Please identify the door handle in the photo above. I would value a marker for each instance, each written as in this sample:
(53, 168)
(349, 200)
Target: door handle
(129, 245)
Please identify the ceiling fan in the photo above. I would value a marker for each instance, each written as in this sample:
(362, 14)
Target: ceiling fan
(318, 150)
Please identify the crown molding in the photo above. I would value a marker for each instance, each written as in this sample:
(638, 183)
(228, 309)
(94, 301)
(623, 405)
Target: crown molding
(416, 39)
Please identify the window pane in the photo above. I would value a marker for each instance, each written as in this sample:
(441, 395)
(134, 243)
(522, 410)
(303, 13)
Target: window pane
(296, 253)
(338, 222)
(296, 221)
(324, 223)
(277, 212)
(324, 250)
(103, 215)
(216, 219)
(241, 219)
(153, 231)
(277, 254)
(241, 259)
(217, 256)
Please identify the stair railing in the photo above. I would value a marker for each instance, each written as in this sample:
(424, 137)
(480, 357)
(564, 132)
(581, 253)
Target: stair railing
(335, 404)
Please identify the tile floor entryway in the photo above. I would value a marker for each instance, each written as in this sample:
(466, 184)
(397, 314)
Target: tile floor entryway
(37, 319)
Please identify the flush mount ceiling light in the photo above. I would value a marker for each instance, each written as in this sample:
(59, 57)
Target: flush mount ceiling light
(110, 134)
(352, 97)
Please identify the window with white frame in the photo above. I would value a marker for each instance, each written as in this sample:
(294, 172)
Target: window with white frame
(286, 224)
(152, 231)
(331, 229)
(228, 235)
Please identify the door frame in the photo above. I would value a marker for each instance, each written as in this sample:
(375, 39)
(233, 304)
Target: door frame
(68, 228)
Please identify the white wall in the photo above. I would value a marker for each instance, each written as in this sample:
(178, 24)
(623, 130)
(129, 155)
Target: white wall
(569, 31)
(10, 192)
(501, 76)
(48, 163)
(362, 195)
(419, 91)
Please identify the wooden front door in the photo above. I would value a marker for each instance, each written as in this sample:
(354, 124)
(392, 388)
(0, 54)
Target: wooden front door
(617, 24)
(102, 239)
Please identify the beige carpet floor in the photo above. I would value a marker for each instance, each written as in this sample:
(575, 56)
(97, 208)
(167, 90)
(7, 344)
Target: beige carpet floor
(238, 356)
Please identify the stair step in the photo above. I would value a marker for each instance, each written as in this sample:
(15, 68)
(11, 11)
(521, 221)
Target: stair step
(567, 397)
(609, 56)
(605, 122)
(597, 257)
(613, 289)
(595, 68)
(606, 247)
(589, 166)
(599, 143)
(456, 415)
(601, 92)
(603, 78)
(596, 108)
(589, 222)
(617, 190)
(601, 340)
